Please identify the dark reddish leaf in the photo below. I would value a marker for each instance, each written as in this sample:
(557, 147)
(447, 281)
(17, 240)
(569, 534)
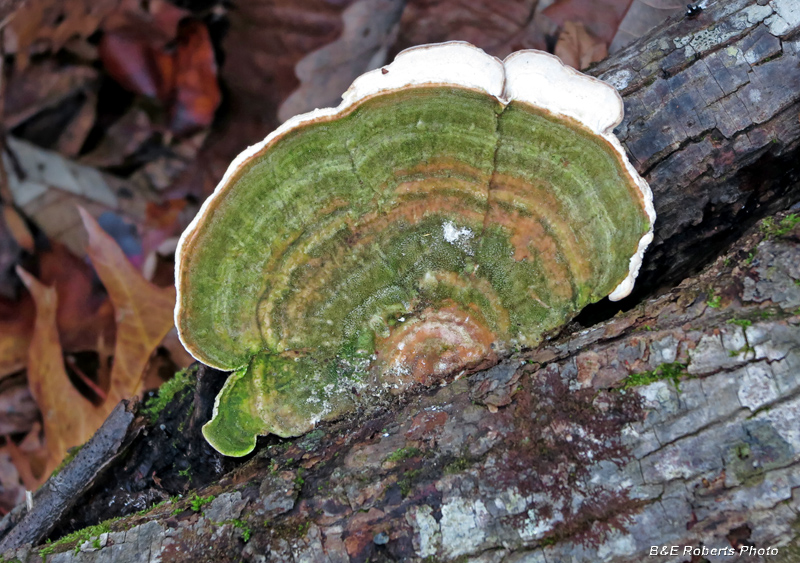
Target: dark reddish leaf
(136, 64)
(265, 41)
(135, 47)
(197, 94)
(84, 315)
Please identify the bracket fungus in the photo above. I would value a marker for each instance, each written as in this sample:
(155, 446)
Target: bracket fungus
(451, 207)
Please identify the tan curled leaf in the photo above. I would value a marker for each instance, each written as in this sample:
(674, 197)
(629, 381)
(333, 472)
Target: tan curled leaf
(16, 226)
(601, 17)
(143, 311)
(16, 324)
(69, 418)
(577, 47)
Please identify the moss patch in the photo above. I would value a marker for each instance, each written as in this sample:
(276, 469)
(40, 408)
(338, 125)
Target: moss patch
(772, 228)
(670, 372)
(71, 453)
(402, 454)
(77, 537)
(180, 382)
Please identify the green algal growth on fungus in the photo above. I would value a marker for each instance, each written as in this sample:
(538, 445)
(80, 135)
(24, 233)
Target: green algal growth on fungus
(403, 239)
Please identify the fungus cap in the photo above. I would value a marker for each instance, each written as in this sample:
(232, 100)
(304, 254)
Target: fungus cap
(452, 206)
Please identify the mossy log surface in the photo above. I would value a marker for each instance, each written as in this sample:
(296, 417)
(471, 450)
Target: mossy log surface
(674, 424)
(550, 461)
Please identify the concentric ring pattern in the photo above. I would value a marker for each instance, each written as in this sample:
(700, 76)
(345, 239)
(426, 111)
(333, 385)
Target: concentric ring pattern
(410, 235)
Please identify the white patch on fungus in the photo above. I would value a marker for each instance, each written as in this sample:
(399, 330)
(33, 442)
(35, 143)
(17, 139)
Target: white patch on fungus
(458, 237)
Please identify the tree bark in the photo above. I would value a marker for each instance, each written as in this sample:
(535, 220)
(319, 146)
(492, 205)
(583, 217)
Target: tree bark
(711, 121)
(673, 424)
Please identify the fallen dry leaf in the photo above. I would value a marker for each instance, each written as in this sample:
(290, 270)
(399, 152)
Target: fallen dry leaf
(134, 47)
(16, 324)
(265, 41)
(497, 28)
(18, 410)
(17, 228)
(601, 17)
(75, 133)
(11, 491)
(43, 86)
(578, 48)
(370, 29)
(137, 51)
(144, 312)
(85, 317)
(10, 252)
(24, 463)
(121, 140)
(69, 418)
(47, 25)
(163, 222)
(136, 64)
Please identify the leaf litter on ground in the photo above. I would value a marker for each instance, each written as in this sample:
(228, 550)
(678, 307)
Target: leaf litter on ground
(143, 314)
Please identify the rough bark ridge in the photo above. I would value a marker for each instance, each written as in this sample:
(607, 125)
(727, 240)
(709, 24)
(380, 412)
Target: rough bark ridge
(672, 424)
(711, 121)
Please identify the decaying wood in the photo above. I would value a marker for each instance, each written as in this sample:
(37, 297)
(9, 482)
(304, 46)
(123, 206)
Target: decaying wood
(712, 108)
(547, 457)
(63, 491)
(674, 424)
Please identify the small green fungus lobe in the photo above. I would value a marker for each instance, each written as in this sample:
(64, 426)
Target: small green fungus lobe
(449, 209)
